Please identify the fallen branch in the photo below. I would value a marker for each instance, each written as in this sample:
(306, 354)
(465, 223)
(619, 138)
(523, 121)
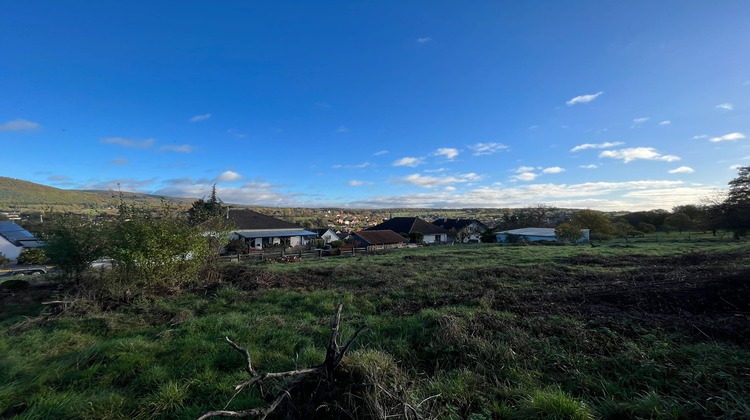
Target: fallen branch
(325, 387)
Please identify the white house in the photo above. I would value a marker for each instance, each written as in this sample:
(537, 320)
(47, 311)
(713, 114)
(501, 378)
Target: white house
(432, 234)
(13, 239)
(536, 234)
(464, 230)
(328, 235)
(259, 231)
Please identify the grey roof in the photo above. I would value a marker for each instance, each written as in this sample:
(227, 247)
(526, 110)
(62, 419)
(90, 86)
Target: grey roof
(457, 224)
(248, 219)
(380, 237)
(16, 234)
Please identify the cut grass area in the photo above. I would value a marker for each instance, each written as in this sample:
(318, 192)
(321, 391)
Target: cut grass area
(647, 329)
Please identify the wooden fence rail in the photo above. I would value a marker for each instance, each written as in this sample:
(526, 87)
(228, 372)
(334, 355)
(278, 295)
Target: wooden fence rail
(315, 254)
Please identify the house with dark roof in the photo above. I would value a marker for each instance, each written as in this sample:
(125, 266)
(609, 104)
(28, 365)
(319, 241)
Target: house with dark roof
(13, 240)
(381, 239)
(259, 231)
(463, 230)
(432, 234)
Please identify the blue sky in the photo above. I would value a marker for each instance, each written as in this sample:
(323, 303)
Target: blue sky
(587, 104)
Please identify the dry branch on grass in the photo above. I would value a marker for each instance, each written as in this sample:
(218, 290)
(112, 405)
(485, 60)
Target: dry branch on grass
(321, 375)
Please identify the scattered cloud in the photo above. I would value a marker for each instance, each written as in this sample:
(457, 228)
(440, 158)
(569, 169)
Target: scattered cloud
(19, 125)
(435, 170)
(409, 161)
(525, 176)
(357, 183)
(524, 169)
(702, 136)
(590, 166)
(727, 107)
(59, 178)
(605, 145)
(638, 121)
(138, 144)
(634, 153)
(553, 170)
(582, 99)
(533, 127)
(735, 167)
(481, 149)
(185, 148)
(449, 152)
(118, 161)
(124, 184)
(381, 153)
(426, 181)
(228, 176)
(424, 40)
(342, 129)
(359, 166)
(665, 122)
(199, 118)
(682, 170)
(728, 137)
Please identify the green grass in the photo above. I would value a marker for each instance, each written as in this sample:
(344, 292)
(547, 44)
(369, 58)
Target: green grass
(479, 331)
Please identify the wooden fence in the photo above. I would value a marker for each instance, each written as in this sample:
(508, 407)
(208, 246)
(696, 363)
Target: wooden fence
(295, 255)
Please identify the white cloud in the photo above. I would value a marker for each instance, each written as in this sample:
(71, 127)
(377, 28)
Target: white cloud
(342, 129)
(735, 167)
(633, 153)
(727, 137)
(665, 122)
(638, 121)
(357, 183)
(533, 127)
(124, 184)
(727, 107)
(381, 153)
(448, 152)
(19, 125)
(604, 145)
(702, 136)
(424, 40)
(591, 166)
(435, 170)
(119, 161)
(359, 166)
(198, 118)
(524, 169)
(553, 170)
(435, 181)
(139, 144)
(525, 176)
(682, 170)
(481, 149)
(582, 99)
(185, 148)
(409, 161)
(228, 176)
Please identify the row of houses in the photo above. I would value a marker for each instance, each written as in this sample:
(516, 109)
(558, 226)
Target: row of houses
(259, 231)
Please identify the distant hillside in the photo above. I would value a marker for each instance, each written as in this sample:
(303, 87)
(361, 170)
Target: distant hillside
(16, 194)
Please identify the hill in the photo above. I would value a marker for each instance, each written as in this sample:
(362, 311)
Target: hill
(17, 194)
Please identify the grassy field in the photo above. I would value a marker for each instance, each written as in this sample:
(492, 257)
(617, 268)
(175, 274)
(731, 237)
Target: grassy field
(652, 328)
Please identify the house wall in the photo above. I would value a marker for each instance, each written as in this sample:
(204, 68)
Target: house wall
(10, 251)
(430, 239)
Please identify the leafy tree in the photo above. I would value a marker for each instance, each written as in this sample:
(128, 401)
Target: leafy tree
(160, 247)
(679, 222)
(203, 211)
(646, 227)
(736, 208)
(416, 237)
(599, 224)
(73, 242)
(537, 215)
(568, 233)
(32, 256)
(623, 229)
(4, 261)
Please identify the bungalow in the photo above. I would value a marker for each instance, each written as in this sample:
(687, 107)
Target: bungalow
(432, 234)
(381, 239)
(463, 230)
(13, 240)
(259, 231)
(535, 234)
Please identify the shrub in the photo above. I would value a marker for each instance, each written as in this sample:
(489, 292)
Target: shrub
(32, 256)
(337, 244)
